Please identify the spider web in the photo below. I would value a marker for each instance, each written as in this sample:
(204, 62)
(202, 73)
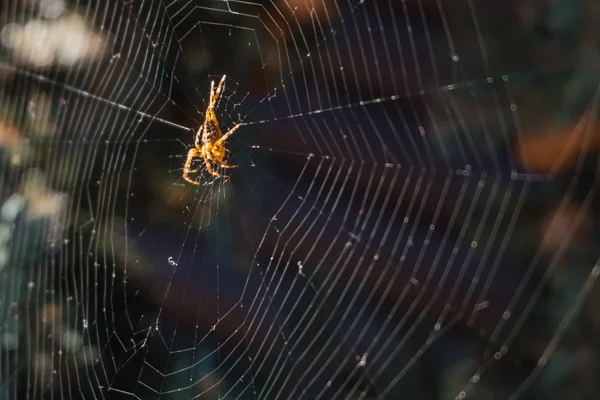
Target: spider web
(382, 235)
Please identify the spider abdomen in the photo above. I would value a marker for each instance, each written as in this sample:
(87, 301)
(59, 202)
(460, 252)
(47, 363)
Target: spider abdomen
(211, 132)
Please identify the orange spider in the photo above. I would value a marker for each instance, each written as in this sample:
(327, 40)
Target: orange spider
(210, 140)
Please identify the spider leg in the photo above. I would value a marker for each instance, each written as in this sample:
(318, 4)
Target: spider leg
(218, 159)
(208, 160)
(210, 114)
(199, 134)
(187, 178)
(227, 135)
(212, 100)
(214, 95)
(217, 94)
(226, 166)
(193, 153)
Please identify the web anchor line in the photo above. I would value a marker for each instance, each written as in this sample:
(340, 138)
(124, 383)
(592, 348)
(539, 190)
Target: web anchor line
(72, 89)
(395, 97)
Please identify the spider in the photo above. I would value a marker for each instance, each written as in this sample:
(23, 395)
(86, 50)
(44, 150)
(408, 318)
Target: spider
(210, 140)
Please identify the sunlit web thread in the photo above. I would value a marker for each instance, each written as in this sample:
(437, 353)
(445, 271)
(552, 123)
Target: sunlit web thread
(72, 89)
(462, 85)
(491, 359)
(446, 88)
(564, 324)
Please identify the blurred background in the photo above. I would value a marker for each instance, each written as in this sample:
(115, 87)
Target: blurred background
(413, 213)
